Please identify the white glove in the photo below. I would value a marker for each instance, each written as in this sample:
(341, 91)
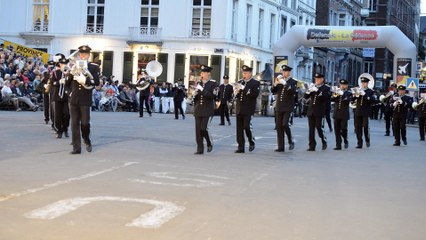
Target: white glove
(362, 92)
(62, 81)
(395, 104)
(283, 82)
(81, 79)
(45, 86)
(391, 92)
(313, 89)
(242, 87)
(340, 92)
(199, 87)
(399, 101)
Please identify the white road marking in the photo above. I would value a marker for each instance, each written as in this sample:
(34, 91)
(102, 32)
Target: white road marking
(199, 183)
(162, 212)
(62, 182)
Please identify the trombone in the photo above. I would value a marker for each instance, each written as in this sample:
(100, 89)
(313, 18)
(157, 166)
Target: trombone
(416, 105)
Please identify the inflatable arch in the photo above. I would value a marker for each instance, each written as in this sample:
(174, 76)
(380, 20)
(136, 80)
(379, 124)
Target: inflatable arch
(390, 37)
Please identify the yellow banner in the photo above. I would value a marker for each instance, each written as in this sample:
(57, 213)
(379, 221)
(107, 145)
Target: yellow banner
(27, 52)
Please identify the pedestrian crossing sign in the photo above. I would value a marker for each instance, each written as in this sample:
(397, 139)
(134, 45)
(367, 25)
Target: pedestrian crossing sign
(413, 84)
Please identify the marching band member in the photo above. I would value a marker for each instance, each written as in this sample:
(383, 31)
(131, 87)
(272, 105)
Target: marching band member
(285, 88)
(421, 108)
(318, 95)
(363, 100)
(341, 98)
(60, 96)
(180, 93)
(401, 103)
(81, 101)
(246, 97)
(225, 96)
(387, 101)
(204, 109)
(144, 96)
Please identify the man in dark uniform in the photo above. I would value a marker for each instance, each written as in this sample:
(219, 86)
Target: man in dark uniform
(144, 96)
(60, 96)
(285, 88)
(421, 108)
(81, 100)
(225, 96)
(363, 101)
(178, 98)
(46, 93)
(319, 95)
(401, 104)
(245, 106)
(204, 102)
(387, 101)
(341, 100)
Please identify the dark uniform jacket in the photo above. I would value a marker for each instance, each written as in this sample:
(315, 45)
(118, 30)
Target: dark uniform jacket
(225, 93)
(180, 93)
(363, 103)
(79, 95)
(146, 91)
(318, 100)
(55, 76)
(388, 104)
(285, 96)
(422, 110)
(246, 99)
(401, 110)
(204, 101)
(341, 105)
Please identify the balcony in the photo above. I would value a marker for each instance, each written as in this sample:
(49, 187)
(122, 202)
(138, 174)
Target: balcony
(41, 27)
(144, 35)
(196, 33)
(92, 29)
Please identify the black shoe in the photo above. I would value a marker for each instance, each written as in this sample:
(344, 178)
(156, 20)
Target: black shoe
(346, 145)
(337, 148)
(140, 116)
(291, 146)
(367, 144)
(198, 153)
(324, 146)
(279, 150)
(46, 121)
(251, 147)
(331, 130)
(396, 144)
(358, 146)
(150, 114)
(59, 135)
(66, 134)
(310, 149)
(89, 147)
(176, 118)
(209, 148)
(75, 152)
(387, 134)
(422, 139)
(404, 141)
(229, 123)
(183, 117)
(239, 151)
(221, 124)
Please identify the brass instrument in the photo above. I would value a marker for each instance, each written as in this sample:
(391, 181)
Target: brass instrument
(416, 105)
(79, 68)
(153, 70)
(143, 83)
(396, 101)
(383, 98)
(239, 85)
(335, 90)
(194, 93)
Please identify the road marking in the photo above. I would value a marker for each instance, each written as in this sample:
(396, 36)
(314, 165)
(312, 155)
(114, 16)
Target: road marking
(196, 182)
(62, 182)
(162, 212)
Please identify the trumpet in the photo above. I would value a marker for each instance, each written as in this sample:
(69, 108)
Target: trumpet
(383, 98)
(79, 68)
(194, 93)
(335, 90)
(352, 105)
(396, 101)
(239, 85)
(416, 105)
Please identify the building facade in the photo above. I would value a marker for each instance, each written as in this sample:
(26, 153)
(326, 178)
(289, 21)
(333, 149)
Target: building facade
(405, 14)
(181, 35)
(339, 63)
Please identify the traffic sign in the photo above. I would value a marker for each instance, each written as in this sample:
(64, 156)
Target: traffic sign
(413, 84)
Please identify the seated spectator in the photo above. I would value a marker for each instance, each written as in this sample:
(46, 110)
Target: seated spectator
(8, 96)
(18, 91)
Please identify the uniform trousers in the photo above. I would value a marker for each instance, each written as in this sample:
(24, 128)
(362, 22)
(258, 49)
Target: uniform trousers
(341, 130)
(80, 125)
(422, 124)
(315, 123)
(142, 100)
(244, 125)
(46, 105)
(201, 132)
(62, 116)
(282, 125)
(361, 123)
(224, 112)
(400, 130)
(388, 120)
(177, 108)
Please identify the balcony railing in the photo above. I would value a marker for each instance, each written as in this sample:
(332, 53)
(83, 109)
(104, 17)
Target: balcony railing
(145, 34)
(91, 29)
(196, 33)
(41, 27)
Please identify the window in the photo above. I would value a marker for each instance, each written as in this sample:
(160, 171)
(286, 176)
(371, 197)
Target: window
(342, 19)
(372, 4)
(260, 30)
(41, 15)
(285, 2)
(283, 29)
(292, 23)
(272, 28)
(293, 4)
(248, 23)
(95, 16)
(201, 18)
(149, 17)
(234, 20)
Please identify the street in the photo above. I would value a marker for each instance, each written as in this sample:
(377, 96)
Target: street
(142, 181)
